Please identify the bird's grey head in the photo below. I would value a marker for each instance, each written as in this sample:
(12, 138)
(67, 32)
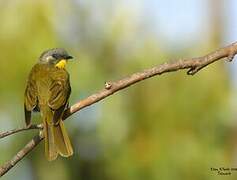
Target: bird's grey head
(53, 56)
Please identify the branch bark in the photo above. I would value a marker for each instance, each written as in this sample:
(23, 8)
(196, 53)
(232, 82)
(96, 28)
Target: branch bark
(193, 65)
(21, 154)
(13, 131)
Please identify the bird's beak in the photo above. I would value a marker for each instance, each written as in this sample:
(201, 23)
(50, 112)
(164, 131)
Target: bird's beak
(69, 57)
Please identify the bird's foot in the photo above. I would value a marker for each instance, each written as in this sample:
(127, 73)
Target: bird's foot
(41, 133)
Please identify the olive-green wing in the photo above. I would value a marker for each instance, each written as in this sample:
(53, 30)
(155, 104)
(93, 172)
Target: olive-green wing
(30, 100)
(60, 91)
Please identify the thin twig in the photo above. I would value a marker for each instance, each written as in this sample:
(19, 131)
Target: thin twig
(193, 65)
(13, 131)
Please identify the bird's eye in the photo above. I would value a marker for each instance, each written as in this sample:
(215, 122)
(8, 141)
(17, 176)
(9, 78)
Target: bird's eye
(55, 56)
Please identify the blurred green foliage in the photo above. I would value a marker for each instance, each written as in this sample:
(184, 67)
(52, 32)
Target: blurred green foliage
(168, 127)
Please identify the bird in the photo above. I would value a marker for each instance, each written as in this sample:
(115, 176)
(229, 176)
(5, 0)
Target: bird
(47, 91)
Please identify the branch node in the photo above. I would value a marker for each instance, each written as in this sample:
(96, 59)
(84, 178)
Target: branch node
(192, 70)
(108, 85)
(230, 57)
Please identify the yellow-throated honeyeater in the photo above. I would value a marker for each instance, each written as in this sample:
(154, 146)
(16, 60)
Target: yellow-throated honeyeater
(48, 89)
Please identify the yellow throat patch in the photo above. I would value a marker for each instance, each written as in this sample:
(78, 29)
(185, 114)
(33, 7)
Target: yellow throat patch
(61, 64)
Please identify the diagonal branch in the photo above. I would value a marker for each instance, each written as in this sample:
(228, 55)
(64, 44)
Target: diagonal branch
(193, 65)
(21, 154)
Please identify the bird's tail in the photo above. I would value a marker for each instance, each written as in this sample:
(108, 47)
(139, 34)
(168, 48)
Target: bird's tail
(62, 140)
(56, 138)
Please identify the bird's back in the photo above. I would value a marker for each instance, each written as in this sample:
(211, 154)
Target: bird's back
(43, 75)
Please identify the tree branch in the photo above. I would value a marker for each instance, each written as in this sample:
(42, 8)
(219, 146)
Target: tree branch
(13, 131)
(21, 154)
(193, 65)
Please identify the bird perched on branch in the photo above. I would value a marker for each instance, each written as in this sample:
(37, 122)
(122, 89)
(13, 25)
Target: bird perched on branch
(48, 89)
